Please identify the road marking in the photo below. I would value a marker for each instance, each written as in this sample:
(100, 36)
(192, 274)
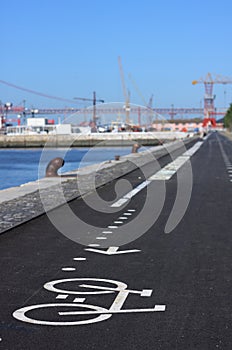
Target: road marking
(164, 174)
(21, 314)
(146, 292)
(157, 308)
(101, 238)
(68, 269)
(170, 169)
(127, 214)
(94, 245)
(62, 296)
(132, 210)
(130, 194)
(79, 259)
(79, 300)
(123, 218)
(112, 251)
(112, 226)
(160, 307)
(107, 232)
(118, 222)
(102, 314)
(120, 202)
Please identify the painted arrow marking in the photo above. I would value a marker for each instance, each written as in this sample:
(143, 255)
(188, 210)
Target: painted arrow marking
(112, 251)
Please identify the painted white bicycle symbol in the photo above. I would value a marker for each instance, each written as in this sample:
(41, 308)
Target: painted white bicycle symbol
(94, 313)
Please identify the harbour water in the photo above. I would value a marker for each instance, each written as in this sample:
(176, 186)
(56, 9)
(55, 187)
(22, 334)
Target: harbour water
(19, 166)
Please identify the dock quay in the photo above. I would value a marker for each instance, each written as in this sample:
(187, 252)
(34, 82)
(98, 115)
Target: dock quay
(88, 140)
(23, 203)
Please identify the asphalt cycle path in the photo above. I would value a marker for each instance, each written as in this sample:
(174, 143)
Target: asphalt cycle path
(158, 291)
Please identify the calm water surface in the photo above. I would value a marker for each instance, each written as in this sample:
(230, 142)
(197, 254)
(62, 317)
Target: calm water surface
(19, 166)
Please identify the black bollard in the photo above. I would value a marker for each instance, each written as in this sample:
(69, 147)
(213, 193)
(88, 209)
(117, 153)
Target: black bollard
(135, 148)
(53, 166)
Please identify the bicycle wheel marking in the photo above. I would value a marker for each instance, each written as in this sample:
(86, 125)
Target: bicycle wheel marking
(20, 315)
(51, 286)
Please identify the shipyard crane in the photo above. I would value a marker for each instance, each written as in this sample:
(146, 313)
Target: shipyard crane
(94, 100)
(209, 98)
(125, 93)
(149, 104)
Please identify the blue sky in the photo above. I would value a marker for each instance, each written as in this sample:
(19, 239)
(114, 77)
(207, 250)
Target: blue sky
(70, 48)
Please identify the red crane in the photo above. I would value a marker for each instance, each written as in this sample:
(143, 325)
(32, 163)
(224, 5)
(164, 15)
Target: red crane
(209, 98)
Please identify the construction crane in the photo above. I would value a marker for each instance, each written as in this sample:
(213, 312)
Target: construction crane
(149, 104)
(209, 98)
(94, 100)
(125, 93)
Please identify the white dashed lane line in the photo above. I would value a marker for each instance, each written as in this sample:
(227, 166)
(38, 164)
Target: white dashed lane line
(62, 296)
(68, 269)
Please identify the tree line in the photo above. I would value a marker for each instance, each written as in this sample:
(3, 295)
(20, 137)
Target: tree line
(228, 118)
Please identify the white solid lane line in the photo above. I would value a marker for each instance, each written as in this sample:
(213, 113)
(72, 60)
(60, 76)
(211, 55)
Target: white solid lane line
(164, 174)
(130, 194)
(170, 169)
